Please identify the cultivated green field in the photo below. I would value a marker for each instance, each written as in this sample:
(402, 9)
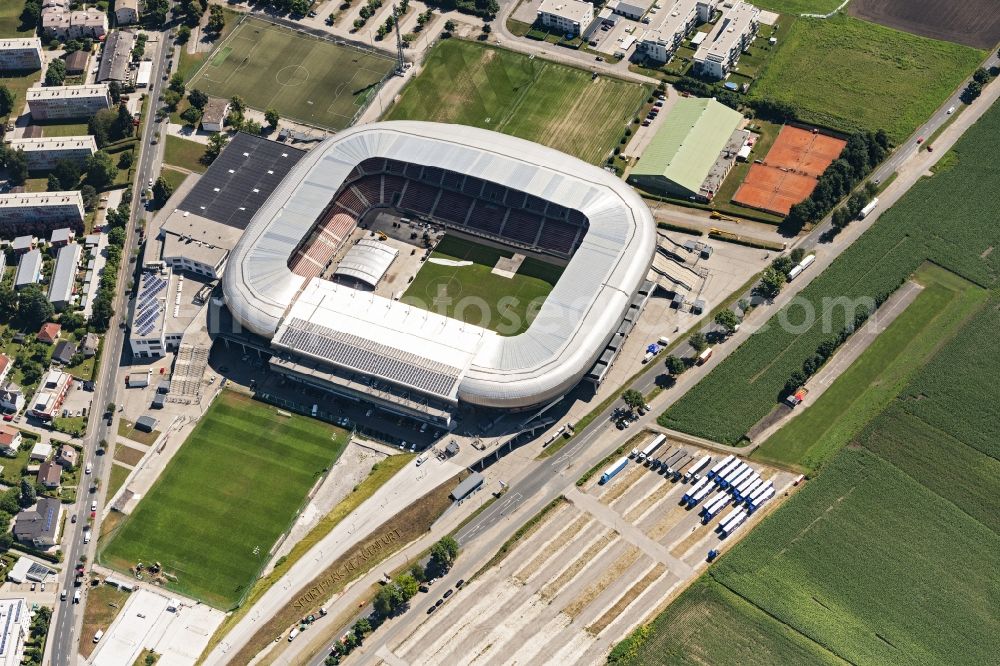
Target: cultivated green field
(473, 294)
(552, 104)
(853, 75)
(231, 490)
(303, 78)
(949, 219)
(878, 375)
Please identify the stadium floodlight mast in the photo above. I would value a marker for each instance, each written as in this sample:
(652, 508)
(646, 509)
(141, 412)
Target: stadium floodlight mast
(399, 40)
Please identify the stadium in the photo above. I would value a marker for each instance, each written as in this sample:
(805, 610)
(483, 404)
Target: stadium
(310, 272)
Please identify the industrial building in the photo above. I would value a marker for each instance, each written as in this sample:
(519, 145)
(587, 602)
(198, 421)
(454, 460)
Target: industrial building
(671, 26)
(40, 212)
(63, 282)
(412, 362)
(569, 17)
(693, 149)
(66, 102)
(116, 55)
(731, 35)
(630, 9)
(20, 54)
(43, 153)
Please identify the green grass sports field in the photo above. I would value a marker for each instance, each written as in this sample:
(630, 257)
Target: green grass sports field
(853, 75)
(303, 78)
(474, 294)
(552, 104)
(232, 488)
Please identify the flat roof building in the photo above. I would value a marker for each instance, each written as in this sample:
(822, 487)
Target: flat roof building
(143, 74)
(116, 54)
(29, 269)
(671, 26)
(62, 102)
(570, 17)
(214, 114)
(126, 12)
(14, 627)
(50, 394)
(685, 148)
(43, 153)
(731, 36)
(467, 486)
(20, 54)
(40, 212)
(63, 282)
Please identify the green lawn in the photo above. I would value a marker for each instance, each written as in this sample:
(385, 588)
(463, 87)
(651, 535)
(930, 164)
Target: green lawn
(853, 75)
(799, 6)
(223, 500)
(10, 21)
(556, 105)
(303, 78)
(878, 375)
(174, 177)
(473, 294)
(64, 129)
(18, 85)
(118, 476)
(184, 154)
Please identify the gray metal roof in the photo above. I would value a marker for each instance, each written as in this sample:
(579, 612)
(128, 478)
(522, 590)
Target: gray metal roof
(28, 269)
(63, 277)
(116, 54)
(367, 261)
(578, 316)
(467, 485)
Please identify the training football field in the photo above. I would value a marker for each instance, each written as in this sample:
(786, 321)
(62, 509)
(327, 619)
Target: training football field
(301, 77)
(224, 499)
(458, 281)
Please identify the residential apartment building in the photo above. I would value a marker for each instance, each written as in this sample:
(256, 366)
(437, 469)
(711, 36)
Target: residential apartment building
(570, 17)
(66, 102)
(15, 625)
(43, 153)
(728, 39)
(59, 21)
(672, 25)
(50, 395)
(126, 12)
(20, 54)
(116, 56)
(40, 212)
(63, 282)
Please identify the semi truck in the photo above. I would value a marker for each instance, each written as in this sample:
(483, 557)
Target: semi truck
(674, 470)
(694, 470)
(672, 460)
(699, 495)
(726, 479)
(733, 464)
(731, 526)
(747, 487)
(753, 505)
(658, 462)
(726, 519)
(740, 478)
(866, 211)
(719, 466)
(651, 447)
(610, 472)
(713, 507)
(761, 489)
(694, 489)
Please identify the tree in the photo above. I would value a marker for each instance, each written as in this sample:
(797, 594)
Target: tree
(388, 599)
(298, 7)
(28, 494)
(418, 572)
(101, 170)
(238, 105)
(192, 116)
(216, 20)
(125, 159)
(981, 76)
(104, 126)
(31, 14)
(633, 399)
(444, 552)
(33, 308)
(770, 283)
(797, 255)
(55, 75)
(795, 381)
(6, 100)
(16, 164)
(177, 83)
(124, 123)
(362, 627)
(171, 98)
(728, 320)
(675, 365)
(162, 190)
(408, 586)
(117, 235)
(698, 341)
(67, 173)
(216, 143)
(183, 34)
(271, 116)
(449, 26)
(53, 184)
(197, 98)
(8, 302)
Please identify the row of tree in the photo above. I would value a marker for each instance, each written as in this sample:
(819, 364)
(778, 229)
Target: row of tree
(975, 88)
(117, 220)
(863, 152)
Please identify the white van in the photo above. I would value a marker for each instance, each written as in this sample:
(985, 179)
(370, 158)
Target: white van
(291, 636)
(99, 635)
(93, 505)
(663, 341)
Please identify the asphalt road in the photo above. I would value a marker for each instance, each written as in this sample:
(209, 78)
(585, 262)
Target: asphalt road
(63, 638)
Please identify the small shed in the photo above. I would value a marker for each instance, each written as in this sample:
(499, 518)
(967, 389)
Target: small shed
(158, 400)
(163, 386)
(146, 423)
(470, 485)
(137, 380)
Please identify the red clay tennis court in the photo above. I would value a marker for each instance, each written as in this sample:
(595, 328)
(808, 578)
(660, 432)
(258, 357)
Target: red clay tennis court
(789, 172)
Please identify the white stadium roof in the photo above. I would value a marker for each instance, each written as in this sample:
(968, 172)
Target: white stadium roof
(367, 261)
(571, 329)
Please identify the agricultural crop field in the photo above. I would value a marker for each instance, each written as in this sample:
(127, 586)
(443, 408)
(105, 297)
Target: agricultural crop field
(300, 76)
(854, 75)
(865, 562)
(225, 497)
(528, 97)
(457, 281)
(878, 375)
(949, 219)
(971, 22)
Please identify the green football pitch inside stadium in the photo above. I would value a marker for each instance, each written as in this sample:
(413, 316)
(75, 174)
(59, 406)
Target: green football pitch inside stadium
(302, 77)
(458, 281)
(225, 497)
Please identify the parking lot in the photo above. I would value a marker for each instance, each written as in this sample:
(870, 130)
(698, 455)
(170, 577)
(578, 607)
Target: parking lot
(609, 557)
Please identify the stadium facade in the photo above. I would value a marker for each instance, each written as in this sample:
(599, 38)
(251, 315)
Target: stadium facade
(475, 182)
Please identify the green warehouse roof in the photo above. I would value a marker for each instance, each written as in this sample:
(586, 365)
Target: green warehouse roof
(688, 142)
